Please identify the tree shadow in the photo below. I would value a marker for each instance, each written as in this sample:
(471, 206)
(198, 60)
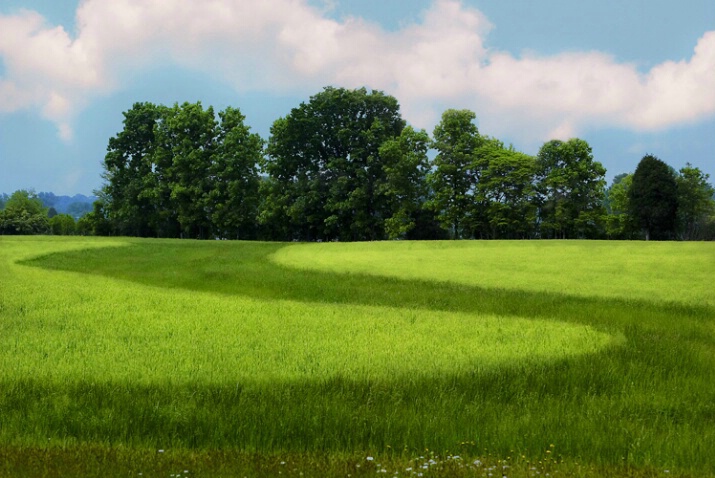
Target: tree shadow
(246, 269)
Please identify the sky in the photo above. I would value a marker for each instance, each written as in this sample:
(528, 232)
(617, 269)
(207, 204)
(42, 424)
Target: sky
(630, 77)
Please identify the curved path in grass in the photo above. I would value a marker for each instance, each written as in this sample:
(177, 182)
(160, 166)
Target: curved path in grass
(335, 348)
(227, 306)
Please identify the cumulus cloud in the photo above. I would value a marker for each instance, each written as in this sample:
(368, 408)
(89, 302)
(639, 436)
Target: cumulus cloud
(291, 46)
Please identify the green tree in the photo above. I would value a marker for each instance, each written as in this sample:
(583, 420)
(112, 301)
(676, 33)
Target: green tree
(325, 170)
(95, 223)
(456, 171)
(3, 199)
(506, 189)
(570, 190)
(618, 219)
(131, 175)
(405, 165)
(233, 196)
(653, 199)
(186, 139)
(24, 214)
(696, 202)
(62, 225)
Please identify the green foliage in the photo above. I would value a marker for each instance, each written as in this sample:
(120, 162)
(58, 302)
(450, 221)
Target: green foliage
(405, 165)
(178, 172)
(24, 214)
(456, 172)
(618, 220)
(570, 190)
(130, 173)
(234, 196)
(62, 225)
(327, 179)
(506, 189)
(595, 353)
(653, 198)
(343, 167)
(696, 204)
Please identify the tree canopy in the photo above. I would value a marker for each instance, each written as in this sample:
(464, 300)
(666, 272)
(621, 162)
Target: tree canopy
(24, 214)
(653, 197)
(345, 166)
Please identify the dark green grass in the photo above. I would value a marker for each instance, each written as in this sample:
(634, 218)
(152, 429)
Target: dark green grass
(639, 408)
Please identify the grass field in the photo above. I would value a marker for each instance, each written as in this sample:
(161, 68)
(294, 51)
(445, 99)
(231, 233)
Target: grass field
(573, 358)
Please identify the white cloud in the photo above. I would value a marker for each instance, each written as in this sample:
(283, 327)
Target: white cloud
(288, 45)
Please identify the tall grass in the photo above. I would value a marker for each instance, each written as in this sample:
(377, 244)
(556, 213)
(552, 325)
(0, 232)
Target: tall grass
(345, 349)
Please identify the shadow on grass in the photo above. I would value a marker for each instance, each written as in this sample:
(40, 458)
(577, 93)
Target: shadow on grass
(246, 269)
(593, 407)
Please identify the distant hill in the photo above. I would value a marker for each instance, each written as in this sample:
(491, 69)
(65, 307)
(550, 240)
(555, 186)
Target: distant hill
(76, 206)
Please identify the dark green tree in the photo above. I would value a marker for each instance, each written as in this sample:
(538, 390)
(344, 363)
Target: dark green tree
(131, 175)
(24, 214)
(456, 171)
(696, 202)
(570, 190)
(325, 169)
(405, 165)
(506, 190)
(62, 225)
(186, 144)
(233, 196)
(653, 199)
(95, 223)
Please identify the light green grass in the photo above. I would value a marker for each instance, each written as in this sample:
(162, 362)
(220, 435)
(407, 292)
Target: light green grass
(652, 271)
(214, 349)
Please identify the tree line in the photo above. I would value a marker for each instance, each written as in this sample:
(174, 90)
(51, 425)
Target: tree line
(345, 166)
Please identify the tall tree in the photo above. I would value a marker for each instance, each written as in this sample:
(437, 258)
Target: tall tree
(653, 198)
(325, 169)
(618, 219)
(405, 165)
(570, 190)
(456, 171)
(130, 173)
(186, 143)
(233, 195)
(696, 202)
(506, 188)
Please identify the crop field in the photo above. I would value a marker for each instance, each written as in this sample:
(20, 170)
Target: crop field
(137, 357)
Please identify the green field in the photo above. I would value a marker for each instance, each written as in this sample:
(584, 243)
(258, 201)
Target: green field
(167, 357)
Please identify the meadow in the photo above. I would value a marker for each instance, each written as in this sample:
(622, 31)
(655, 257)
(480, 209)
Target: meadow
(121, 357)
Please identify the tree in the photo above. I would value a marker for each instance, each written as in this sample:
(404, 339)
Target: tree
(696, 202)
(325, 169)
(405, 165)
(618, 220)
(234, 189)
(95, 223)
(186, 144)
(62, 225)
(24, 214)
(570, 190)
(178, 172)
(131, 174)
(456, 171)
(506, 189)
(653, 198)
(3, 199)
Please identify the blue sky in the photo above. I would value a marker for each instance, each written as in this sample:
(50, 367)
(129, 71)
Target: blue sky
(630, 77)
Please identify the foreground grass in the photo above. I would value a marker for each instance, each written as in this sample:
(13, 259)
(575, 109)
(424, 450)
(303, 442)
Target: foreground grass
(211, 350)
